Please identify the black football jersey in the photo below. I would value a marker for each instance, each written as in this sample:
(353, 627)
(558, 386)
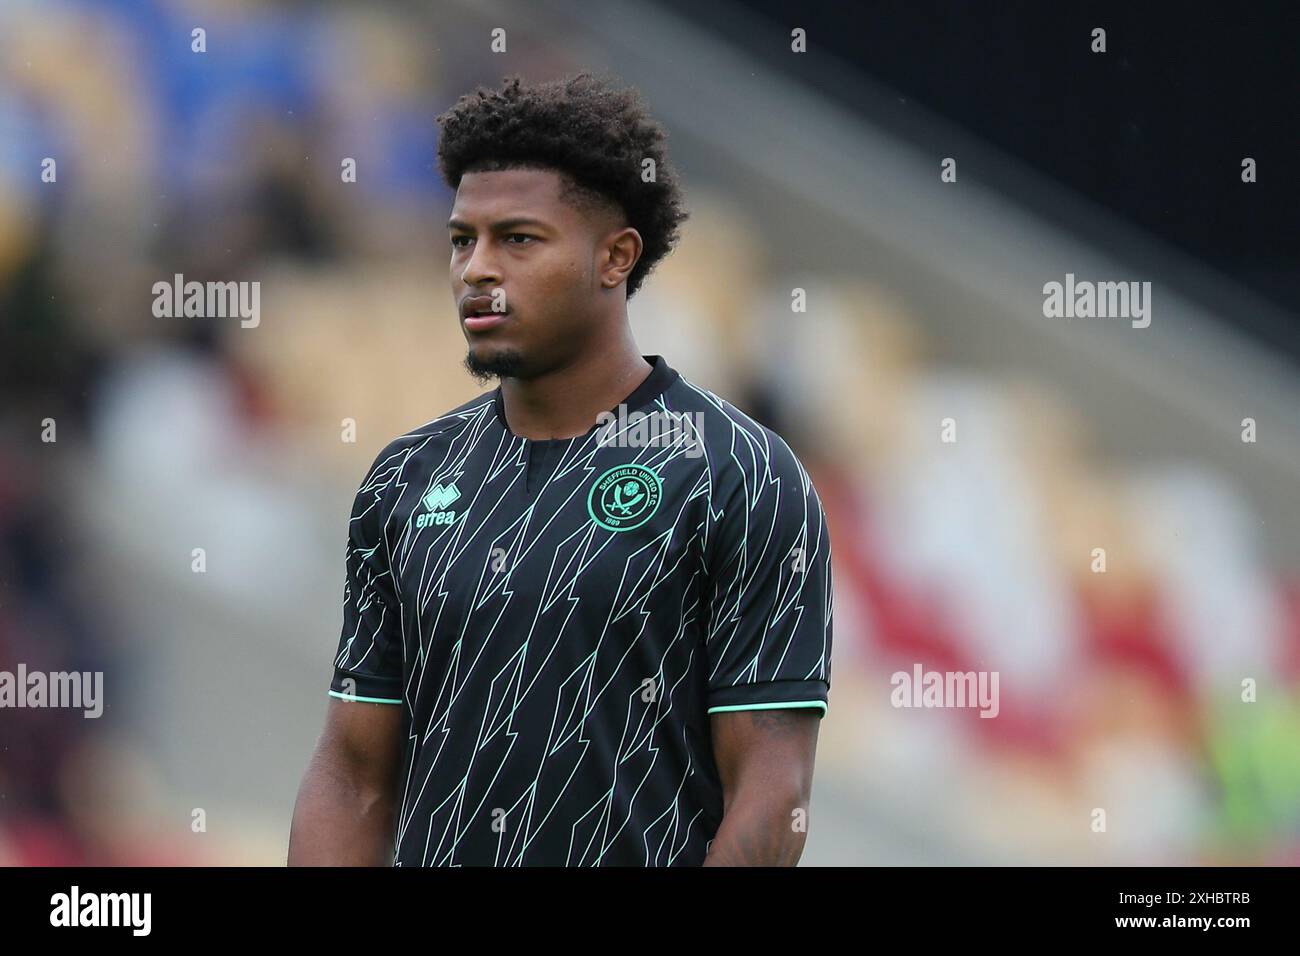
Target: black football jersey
(557, 619)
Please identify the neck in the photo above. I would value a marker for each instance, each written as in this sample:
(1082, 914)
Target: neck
(565, 401)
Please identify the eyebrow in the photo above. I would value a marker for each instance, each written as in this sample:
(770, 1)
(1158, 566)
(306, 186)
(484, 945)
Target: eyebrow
(501, 226)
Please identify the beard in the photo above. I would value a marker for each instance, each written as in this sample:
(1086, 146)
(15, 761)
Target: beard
(505, 363)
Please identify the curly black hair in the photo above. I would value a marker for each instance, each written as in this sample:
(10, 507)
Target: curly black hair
(596, 135)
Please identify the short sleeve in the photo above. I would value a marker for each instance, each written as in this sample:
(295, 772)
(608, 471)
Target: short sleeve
(768, 564)
(368, 665)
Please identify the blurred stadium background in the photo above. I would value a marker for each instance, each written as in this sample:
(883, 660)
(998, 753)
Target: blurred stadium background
(1119, 690)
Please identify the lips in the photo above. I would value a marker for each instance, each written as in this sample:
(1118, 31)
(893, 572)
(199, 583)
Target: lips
(477, 314)
(484, 321)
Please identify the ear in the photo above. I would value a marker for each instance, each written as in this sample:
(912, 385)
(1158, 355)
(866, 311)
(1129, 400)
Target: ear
(619, 253)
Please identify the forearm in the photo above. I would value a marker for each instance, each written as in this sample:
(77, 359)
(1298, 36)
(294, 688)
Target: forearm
(339, 820)
(758, 830)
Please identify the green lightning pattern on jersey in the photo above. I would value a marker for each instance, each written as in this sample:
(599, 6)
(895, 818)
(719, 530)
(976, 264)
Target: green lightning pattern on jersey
(558, 649)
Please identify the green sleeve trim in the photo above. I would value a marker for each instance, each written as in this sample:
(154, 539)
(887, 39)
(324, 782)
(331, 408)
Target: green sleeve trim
(771, 706)
(366, 700)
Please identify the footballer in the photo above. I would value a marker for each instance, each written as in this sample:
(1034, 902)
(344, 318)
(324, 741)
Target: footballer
(570, 638)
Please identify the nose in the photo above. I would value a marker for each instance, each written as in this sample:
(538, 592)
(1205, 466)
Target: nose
(480, 268)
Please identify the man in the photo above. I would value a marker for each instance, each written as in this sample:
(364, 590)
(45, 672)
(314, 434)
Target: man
(587, 619)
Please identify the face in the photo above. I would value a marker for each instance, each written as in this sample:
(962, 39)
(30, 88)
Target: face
(541, 265)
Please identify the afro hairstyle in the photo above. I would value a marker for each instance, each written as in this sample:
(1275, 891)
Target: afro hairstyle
(596, 136)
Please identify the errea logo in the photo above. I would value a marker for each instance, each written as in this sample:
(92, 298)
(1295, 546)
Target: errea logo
(438, 499)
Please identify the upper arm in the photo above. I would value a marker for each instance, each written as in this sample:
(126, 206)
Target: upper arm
(364, 740)
(363, 723)
(768, 640)
(767, 562)
(771, 751)
(368, 662)
(347, 803)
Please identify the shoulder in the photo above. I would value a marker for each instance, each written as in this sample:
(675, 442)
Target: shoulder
(740, 449)
(424, 439)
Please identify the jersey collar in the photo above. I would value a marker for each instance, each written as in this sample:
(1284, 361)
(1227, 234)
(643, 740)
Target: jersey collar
(661, 376)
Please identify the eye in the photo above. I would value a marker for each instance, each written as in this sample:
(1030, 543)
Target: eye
(455, 241)
(519, 235)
